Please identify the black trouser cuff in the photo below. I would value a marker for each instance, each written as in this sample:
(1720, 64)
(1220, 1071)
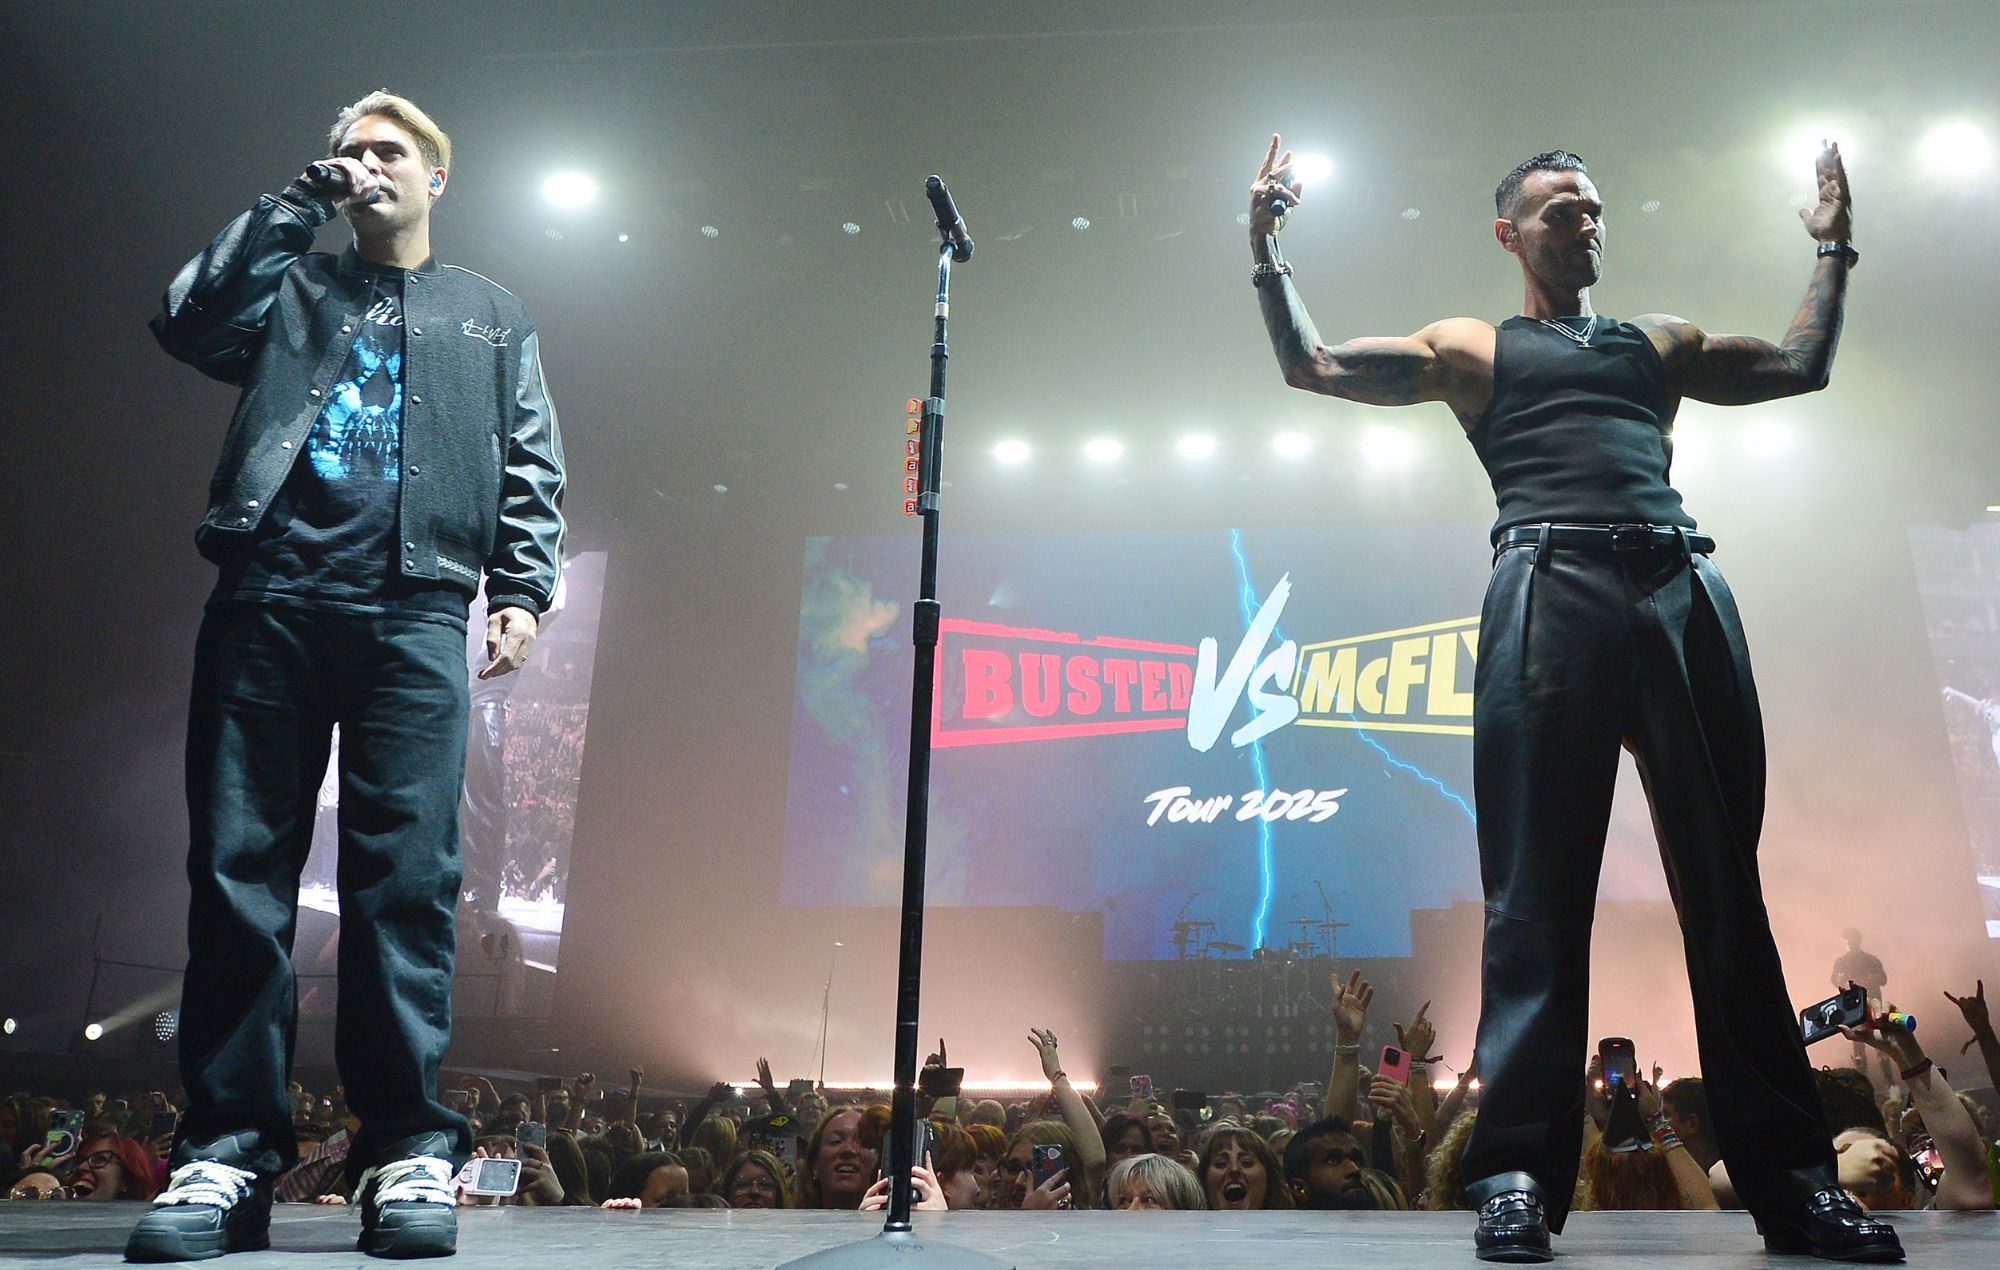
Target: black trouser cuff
(1486, 1188)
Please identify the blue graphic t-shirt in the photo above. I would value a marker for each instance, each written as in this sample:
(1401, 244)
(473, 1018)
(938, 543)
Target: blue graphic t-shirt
(330, 534)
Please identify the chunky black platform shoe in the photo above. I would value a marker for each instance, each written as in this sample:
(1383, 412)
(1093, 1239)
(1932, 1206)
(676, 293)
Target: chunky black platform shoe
(1833, 1227)
(1513, 1220)
(209, 1208)
(409, 1206)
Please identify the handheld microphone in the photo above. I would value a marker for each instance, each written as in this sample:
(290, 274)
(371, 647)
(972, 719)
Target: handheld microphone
(949, 223)
(333, 180)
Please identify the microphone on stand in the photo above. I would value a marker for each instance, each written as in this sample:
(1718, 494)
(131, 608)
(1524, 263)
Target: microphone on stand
(949, 223)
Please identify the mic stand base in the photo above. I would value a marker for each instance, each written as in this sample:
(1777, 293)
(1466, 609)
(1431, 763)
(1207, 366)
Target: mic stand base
(900, 1249)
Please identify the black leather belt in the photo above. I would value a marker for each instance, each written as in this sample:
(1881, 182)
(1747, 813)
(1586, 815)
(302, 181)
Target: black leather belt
(1607, 538)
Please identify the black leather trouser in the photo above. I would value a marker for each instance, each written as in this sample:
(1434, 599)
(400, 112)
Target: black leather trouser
(1582, 652)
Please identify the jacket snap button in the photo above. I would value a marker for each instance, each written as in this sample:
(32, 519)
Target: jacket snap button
(347, 330)
(416, 330)
(314, 393)
(409, 546)
(284, 445)
(416, 400)
(415, 470)
(251, 503)
(242, 520)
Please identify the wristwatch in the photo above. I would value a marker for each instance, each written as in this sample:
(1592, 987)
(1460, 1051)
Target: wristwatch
(1843, 249)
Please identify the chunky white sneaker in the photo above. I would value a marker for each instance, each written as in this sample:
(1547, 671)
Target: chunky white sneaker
(409, 1208)
(209, 1208)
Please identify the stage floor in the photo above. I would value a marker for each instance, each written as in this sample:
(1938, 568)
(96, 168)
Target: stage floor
(79, 1233)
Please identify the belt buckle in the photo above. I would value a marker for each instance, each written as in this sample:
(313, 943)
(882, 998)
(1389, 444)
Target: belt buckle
(1631, 537)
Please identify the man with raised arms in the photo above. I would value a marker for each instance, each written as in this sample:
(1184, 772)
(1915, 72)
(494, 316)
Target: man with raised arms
(1605, 624)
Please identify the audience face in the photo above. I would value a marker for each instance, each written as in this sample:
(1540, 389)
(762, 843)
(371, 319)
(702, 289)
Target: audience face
(36, 1186)
(1236, 1179)
(1166, 1134)
(985, 1173)
(1137, 1197)
(663, 1184)
(1017, 1175)
(753, 1187)
(844, 1168)
(1129, 1143)
(98, 1173)
(1333, 1175)
(963, 1189)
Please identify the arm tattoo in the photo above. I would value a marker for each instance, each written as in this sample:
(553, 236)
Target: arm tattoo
(1376, 372)
(1808, 346)
(1293, 337)
(1739, 370)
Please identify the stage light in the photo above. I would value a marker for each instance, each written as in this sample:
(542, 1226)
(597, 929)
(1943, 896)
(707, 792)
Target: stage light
(570, 190)
(1103, 449)
(1412, 213)
(1291, 445)
(93, 1031)
(710, 231)
(624, 238)
(1801, 148)
(849, 227)
(1386, 447)
(720, 489)
(166, 1025)
(1311, 170)
(1080, 222)
(1196, 445)
(1650, 205)
(1958, 148)
(1011, 451)
(1768, 439)
(9, 1026)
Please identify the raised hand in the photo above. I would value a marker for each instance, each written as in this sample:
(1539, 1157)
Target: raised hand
(1419, 1036)
(1044, 1042)
(1899, 1044)
(1393, 1096)
(1596, 1100)
(1974, 1010)
(929, 1195)
(1350, 1007)
(1275, 179)
(1053, 1193)
(1832, 221)
(764, 1075)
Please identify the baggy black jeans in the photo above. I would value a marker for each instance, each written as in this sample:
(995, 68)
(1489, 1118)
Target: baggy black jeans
(1582, 652)
(270, 682)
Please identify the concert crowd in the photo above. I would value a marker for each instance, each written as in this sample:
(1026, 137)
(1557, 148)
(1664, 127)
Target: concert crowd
(1389, 1138)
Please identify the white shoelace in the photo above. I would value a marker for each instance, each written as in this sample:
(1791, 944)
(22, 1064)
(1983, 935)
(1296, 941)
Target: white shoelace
(424, 1179)
(207, 1182)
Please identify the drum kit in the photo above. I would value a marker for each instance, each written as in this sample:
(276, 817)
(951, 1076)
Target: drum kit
(1282, 978)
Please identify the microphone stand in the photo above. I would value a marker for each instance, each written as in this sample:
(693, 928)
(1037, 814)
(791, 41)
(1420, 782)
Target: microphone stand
(898, 1242)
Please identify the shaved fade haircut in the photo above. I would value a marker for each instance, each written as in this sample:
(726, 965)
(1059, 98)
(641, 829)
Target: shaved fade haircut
(1507, 196)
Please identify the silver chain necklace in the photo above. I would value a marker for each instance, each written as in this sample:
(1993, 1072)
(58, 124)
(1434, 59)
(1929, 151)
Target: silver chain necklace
(1582, 340)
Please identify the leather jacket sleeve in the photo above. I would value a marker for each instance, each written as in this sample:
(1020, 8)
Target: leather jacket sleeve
(212, 317)
(527, 551)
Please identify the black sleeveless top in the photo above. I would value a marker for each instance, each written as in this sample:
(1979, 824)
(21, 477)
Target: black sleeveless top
(1578, 435)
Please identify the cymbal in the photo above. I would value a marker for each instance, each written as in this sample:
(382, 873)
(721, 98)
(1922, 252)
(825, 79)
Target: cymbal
(1220, 945)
